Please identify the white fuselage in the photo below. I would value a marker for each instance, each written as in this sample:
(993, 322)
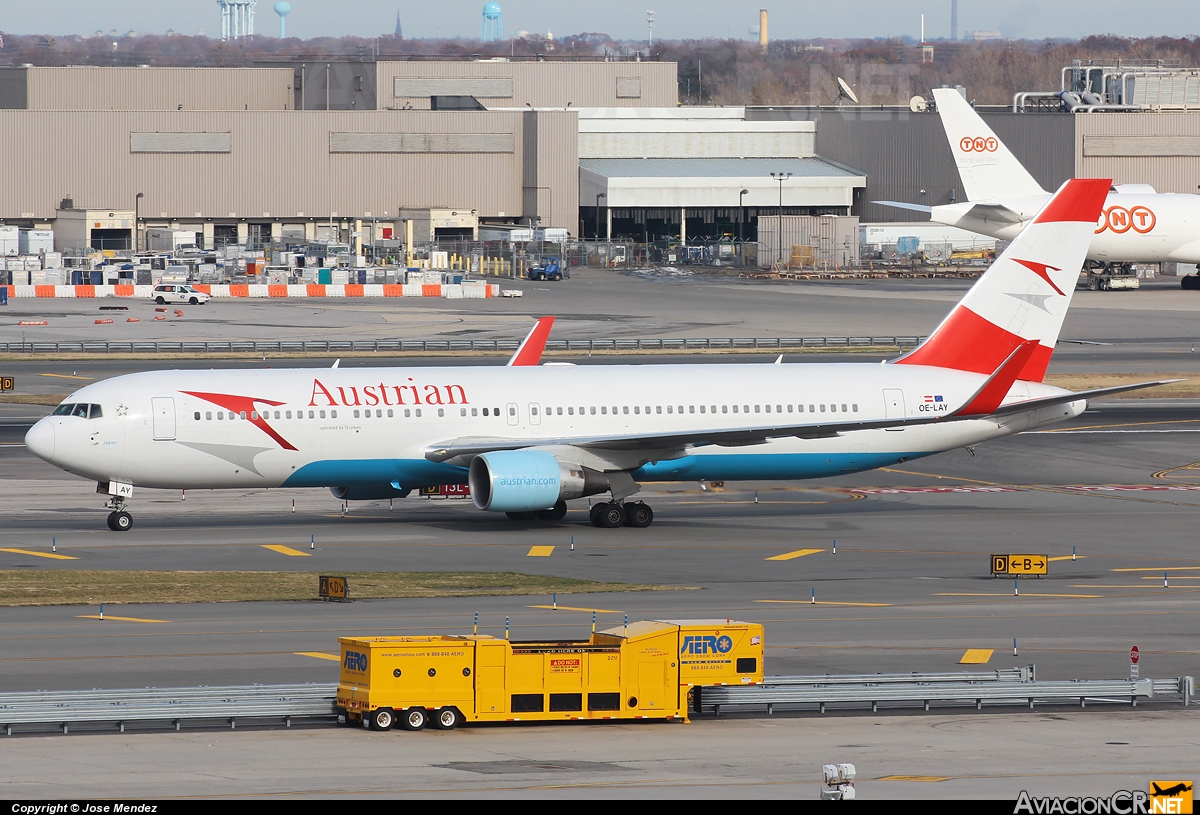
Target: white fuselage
(1133, 227)
(373, 426)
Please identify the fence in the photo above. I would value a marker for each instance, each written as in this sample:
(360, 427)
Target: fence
(445, 346)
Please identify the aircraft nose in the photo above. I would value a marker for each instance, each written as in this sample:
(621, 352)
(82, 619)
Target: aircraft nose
(40, 440)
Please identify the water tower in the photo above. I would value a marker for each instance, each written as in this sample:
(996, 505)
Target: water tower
(493, 26)
(283, 9)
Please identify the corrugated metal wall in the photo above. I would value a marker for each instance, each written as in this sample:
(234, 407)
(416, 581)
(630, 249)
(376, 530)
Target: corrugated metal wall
(95, 88)
(1143, 161)
(543, 84)
(280, 163)
(903, 153)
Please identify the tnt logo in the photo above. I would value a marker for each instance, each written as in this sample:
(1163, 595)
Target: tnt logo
(978, 144)
(1170, 797)
(355, 661)
(706, 645)
(1120, 220)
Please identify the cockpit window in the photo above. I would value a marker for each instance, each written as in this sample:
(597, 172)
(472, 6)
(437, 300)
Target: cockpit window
(81, 410)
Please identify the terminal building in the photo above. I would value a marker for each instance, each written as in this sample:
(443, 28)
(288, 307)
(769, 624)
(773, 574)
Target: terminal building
(601, 149)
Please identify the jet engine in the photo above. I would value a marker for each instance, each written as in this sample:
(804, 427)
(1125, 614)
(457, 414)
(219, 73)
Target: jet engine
(529, 480)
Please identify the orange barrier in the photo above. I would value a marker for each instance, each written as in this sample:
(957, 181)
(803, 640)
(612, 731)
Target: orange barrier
(239, 290)
(277, 290)
(43, 291)
(160, 317)
(161, 308)
(103, 322)
(354, 290)
(178, 312)
(431, 289)
(393, 290)
(133, 319)
(123, 291)
(85, 291)
(316, 289)
(34, 322)
(204, 287)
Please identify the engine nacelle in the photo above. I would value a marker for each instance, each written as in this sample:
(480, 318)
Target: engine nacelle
(368, 492)
(529, 480)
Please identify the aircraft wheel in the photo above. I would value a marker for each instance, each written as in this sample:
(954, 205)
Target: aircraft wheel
(120, 521)
(594, 513)
(638, 515)
(611, 516)
(557, 513)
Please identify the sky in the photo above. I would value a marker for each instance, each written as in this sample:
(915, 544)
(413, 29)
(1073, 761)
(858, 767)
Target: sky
(622, 19)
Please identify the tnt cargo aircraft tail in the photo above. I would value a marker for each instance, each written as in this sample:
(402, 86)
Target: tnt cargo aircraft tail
(987, 168)
(1025, 294)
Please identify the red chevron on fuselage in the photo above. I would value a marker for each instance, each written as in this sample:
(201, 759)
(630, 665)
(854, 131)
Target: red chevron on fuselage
(245, 406)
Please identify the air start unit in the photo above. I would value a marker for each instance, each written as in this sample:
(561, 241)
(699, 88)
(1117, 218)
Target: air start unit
(643, 671)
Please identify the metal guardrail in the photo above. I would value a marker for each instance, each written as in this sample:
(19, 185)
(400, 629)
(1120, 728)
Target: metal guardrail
(900, 692)
(228, 704)
(443, 346)
(1024, 674)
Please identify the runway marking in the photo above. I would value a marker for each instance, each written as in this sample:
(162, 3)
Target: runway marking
(931, 779)
(826, 603)
(1003, 594)
(319, 655)
(1122, 424)
(67, 376)
(1095, 492)
(794, 555)
(285, 550)
(1160, 569)
(1065, 557)
(574, 608)
(50, 555)
(1111, 586)
(540, 551)
(121, 619)
(976, 656)
(1173, 576)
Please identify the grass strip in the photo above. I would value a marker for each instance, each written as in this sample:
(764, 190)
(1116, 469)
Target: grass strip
(54, 587)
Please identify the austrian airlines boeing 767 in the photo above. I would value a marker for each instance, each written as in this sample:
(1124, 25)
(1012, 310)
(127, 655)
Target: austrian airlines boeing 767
(528, 438)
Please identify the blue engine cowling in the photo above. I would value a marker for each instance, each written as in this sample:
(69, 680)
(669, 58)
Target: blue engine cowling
(529, 480)
(515, 481)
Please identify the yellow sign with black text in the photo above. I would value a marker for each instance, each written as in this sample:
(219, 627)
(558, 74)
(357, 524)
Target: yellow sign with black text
(1020, 564)
(333, 588)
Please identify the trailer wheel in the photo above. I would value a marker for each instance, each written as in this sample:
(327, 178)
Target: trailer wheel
(415, 718)
(382, 718)
(447, 718)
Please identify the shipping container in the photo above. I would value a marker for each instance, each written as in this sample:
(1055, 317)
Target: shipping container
(645, 670)
(35, 241)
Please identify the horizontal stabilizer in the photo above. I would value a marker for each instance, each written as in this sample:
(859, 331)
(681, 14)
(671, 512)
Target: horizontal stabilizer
(903, 205)
(1066, 398)
(994, 213)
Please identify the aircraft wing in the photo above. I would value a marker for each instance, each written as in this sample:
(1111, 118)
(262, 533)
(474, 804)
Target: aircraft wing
(980, 404)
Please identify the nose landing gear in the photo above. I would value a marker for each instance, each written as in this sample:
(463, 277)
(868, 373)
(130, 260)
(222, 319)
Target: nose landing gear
(118, 520)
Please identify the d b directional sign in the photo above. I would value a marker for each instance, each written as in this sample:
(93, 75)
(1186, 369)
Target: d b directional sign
(1020, 564)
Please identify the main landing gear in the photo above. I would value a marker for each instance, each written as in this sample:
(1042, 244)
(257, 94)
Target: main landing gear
(118, 520)
(612, 514)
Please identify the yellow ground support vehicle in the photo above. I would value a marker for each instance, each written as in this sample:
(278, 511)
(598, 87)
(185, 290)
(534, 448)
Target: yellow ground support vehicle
(642, 671)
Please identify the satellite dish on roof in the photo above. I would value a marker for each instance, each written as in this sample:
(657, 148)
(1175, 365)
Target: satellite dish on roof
(918, 104)
(844, 92)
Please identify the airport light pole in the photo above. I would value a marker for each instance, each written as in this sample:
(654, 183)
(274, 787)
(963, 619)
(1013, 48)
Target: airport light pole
(741, 215)
(780, 177)
(137, 200)
(599, 195)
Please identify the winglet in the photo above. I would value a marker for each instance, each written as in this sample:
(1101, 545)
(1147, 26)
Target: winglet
(992, 394)
(530, 350)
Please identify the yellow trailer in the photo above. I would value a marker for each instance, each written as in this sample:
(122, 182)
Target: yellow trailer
(642, 671)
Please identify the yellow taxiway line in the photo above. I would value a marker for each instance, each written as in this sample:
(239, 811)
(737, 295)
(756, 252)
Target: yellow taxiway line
(540, 551)
(121, 619)
(319, 655)
(575, 608)
(50, 555)
(285, 550)
(794, 555)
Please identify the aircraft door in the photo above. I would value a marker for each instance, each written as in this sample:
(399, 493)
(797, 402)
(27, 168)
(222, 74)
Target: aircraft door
(893, 404)
(511, 410)
(163, 410)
